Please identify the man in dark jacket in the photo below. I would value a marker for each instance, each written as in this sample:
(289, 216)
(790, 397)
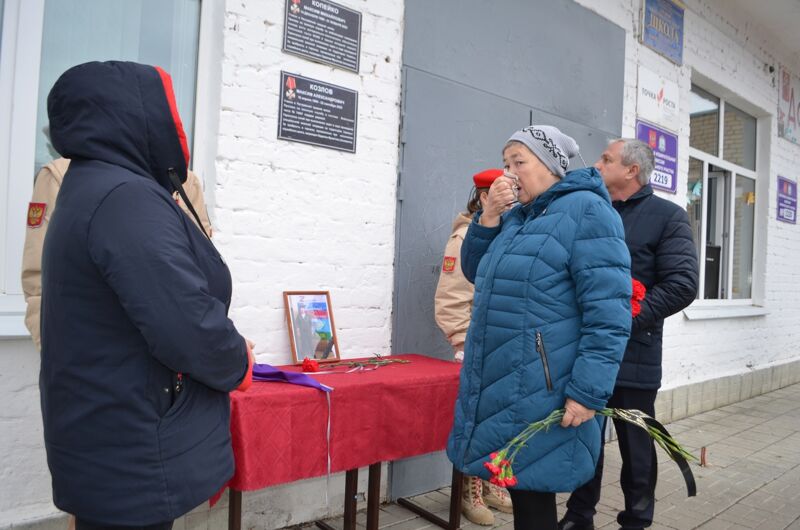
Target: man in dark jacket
(138, 355)
(664, 259)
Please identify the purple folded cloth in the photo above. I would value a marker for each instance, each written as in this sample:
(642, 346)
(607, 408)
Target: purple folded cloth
(265, 372)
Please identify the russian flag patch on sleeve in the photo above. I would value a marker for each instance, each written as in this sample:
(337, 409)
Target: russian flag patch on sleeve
(36, 214)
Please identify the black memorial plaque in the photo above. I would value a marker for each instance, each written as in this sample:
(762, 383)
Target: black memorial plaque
(317, 113)
(324, 31)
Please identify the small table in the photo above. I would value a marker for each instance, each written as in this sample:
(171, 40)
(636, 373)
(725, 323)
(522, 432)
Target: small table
(279, 431)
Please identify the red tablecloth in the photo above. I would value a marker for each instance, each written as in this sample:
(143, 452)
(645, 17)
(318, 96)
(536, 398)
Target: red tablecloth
(396, 411)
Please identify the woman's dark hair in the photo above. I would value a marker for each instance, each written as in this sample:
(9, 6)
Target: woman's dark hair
(474, 204)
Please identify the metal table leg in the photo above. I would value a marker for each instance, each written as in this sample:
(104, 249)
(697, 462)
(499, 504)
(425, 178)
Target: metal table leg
(350, 487)
(374, 496)
(234, 509)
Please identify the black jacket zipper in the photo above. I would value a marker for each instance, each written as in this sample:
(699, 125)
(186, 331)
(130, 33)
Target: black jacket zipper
(543, 355)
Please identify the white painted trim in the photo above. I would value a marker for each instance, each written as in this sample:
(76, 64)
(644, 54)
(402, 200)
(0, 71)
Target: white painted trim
(20, 62)
(760, 227)
(12, 327)
(734, 176)
(207, 101)
(719, 311)
(19, 88)
(22, 141)
(739, 302)
(731, 207)
(722, 164)
(703, 230)
(7, 61)
(733, 170)
(721, 129)
(12, 317)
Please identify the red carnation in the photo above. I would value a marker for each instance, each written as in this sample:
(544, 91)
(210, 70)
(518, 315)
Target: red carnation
(511, 482)
(310, 365)
(493, 469)
(639, 290)
(497, 481)
(500, 468)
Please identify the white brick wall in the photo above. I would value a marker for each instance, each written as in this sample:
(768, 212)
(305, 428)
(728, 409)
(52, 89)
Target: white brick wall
(295, 217)
(290, 216)
(732, 51)
(24, 478)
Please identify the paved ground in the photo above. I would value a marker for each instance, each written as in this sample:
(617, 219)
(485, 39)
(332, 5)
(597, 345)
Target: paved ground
(752, 480)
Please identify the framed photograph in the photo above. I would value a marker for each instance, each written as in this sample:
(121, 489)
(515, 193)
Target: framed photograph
(312, 332)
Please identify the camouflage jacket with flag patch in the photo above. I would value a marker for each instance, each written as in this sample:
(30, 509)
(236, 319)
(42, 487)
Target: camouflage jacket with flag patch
(453, 300)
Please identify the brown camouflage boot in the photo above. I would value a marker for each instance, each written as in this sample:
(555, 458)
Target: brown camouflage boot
(497, 497)
(472, 505)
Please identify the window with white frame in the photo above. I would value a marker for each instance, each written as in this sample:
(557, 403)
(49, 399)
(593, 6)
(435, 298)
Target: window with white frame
(39, 40)
(721, 195)
(157, 32)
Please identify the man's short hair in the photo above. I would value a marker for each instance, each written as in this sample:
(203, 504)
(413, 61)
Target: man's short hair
(638, 152)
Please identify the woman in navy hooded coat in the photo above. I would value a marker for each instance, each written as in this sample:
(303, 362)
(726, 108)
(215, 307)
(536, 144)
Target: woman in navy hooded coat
(138, 354)
(550, 321)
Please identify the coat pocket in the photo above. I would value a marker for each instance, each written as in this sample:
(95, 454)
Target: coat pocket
(180, 395)
(543, 356)
(198, 413)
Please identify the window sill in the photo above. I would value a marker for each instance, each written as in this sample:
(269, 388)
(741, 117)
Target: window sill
(724, 311)
(12, 326)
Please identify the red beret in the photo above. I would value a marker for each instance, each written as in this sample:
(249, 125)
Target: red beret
(485, 178)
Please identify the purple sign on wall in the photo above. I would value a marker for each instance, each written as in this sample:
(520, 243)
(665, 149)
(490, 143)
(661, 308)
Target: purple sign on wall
(665, 148)
(787, 200)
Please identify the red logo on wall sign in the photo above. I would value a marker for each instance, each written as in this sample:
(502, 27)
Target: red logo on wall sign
(291, 86)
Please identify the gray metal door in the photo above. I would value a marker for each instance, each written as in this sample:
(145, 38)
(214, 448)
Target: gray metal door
(456, 131)
(474, 71)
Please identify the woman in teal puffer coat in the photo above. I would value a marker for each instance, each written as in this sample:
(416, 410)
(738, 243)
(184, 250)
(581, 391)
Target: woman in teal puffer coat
(550, 321)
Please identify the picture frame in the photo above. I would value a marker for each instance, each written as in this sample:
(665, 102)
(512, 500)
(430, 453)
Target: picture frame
(312, 331)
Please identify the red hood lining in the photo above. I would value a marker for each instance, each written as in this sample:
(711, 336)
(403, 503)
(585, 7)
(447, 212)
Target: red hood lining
(166, 81)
